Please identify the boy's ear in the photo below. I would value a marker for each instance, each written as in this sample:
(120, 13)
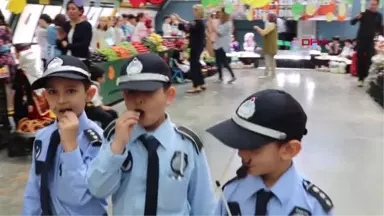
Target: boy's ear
(91, 92)
(290, 149)
(171, 94)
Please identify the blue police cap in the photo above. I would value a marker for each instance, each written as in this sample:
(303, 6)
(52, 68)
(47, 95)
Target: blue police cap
(64, 66)
(144, 72)
(266, 116)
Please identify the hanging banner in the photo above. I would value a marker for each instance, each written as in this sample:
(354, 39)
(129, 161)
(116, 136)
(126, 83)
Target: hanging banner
(295, 9)
(44, 2)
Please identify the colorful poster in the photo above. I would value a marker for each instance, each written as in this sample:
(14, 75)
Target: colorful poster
(297, 10)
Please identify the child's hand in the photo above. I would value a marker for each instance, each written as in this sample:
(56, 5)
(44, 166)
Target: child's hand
(123, 130)
(106, 108)
(69, 126)
(64, 43)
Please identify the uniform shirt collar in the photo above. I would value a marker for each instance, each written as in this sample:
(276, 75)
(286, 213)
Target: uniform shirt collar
(161, 133)
(83, 122)
(283, 188)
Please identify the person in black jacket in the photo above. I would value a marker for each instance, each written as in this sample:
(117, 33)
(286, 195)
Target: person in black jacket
(196, 30)
(370, 24)
(78, 33)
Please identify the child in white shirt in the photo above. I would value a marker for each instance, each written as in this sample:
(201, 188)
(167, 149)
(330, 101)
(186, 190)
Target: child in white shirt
(96, 110)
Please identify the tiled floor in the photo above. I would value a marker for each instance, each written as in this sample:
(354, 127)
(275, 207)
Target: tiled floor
(342, 154)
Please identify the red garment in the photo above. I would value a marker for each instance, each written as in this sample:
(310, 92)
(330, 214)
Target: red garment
(353, 68)
(148, 23)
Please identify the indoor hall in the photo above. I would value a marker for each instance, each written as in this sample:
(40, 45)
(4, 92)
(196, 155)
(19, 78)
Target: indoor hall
(342, 152)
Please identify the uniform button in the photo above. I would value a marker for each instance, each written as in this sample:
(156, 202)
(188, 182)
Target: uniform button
(328, 202)
(322, 195)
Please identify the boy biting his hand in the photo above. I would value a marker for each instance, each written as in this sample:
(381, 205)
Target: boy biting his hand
(148, 165)
(63, 150)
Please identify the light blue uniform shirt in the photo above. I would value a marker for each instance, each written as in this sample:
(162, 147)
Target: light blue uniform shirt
(67, 182)
(293, 195)
(126, 181)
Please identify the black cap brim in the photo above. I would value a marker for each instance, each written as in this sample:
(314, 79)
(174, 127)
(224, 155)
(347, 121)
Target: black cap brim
(146, 86)
(234, 136)
(41, 82)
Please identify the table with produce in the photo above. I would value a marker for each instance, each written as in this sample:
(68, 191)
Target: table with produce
(111, 60)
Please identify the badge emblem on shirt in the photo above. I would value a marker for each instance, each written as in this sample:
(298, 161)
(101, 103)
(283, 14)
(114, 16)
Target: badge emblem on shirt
(128, 163)
(56, 62)
(135, 67)
(38, 147)
(298, 211)
(179, 165)
(247, 109)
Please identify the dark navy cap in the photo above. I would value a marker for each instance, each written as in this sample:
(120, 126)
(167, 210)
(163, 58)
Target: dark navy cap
(266, 116)
(64, 66)
(144, 72)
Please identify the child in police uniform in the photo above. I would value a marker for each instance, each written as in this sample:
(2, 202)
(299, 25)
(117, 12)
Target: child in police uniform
(267, 129)
(64, 149)
(149, 165)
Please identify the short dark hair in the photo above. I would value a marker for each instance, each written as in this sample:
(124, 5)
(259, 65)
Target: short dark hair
(131, 16)
(348, 41)
(166, 17)
(46, 18)
(21, 47)
(167, 85)
(96, 72)
(59, 20)
(139, 16)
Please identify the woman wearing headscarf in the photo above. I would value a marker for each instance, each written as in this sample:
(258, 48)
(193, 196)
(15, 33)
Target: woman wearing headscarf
(78, 33)
(270, 36)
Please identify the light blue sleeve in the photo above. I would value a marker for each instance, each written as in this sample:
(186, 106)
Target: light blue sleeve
(201, 195)
(31, 204)
(104, 174)
(219, 208)
(73, 188)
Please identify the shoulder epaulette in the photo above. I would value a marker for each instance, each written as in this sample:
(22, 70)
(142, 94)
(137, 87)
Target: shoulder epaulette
(189, 134)
(323, 198)
(93, 137)
(109, 131)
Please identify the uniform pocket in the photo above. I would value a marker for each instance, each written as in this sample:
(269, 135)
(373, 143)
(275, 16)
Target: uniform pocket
(172, 193)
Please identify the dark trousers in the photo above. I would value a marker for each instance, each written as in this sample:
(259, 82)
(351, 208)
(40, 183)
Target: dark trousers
(97, 114)
(195, 71)
(222, 61)
(365, 51)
